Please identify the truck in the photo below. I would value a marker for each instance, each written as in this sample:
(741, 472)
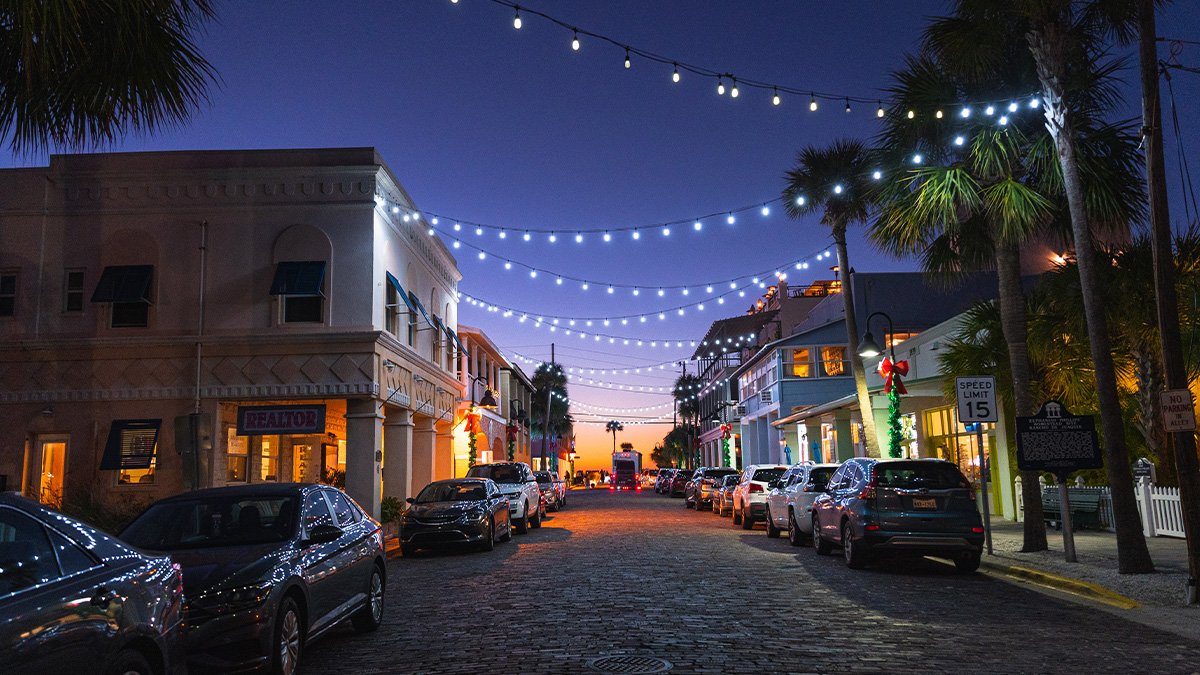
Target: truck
(626, 471)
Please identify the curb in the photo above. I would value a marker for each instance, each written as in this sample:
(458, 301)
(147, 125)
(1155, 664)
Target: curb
(1086, 589)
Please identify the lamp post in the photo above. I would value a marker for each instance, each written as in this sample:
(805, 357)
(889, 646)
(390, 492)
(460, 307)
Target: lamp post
(868, 348)
(891, 370)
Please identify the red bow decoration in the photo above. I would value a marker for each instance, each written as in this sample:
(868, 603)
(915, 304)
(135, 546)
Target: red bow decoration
(512, 431)
(725, 430)
(892, 372)
(472, 423)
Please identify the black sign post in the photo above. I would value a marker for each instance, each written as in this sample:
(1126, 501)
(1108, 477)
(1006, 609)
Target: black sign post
(1055, 440)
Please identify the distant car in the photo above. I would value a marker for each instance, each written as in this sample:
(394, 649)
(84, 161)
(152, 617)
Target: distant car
(561, 486)
(663, 482)
(699, 490)
(790, 499)
(526, 507)
(455, 511)
(679, 482)
(649, 476)
(750, 496)
(722, 501)
(267, 569)
(918, 507)
(549, 490)
(75, 600)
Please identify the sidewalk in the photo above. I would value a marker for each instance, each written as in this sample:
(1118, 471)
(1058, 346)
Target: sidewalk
(1157, 599)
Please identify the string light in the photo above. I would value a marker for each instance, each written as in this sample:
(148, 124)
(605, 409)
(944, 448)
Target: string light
(775, 98)
(575, 41)
(675, 74)
(628, 63)
(517, 18)
(879, 111)
(812, 102)
(847, 105)
(720, 87)
(733, 93)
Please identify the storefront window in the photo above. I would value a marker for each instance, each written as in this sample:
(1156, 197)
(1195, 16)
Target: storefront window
(801, 366)
(955, 442)
(833, 361)
(236, 458)
(302, 460)
(138, 476)
(828, 443)
(269, 458)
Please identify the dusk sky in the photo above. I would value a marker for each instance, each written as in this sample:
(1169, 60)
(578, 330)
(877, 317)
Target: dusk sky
(512, 128)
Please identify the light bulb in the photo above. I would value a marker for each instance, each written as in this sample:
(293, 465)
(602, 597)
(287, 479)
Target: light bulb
(708, 289)
(666, 231)
(503, 234)
(636, 292)
(959, 140)
(879, 110)
(966, 112)
(517, 20)
(877, 175)
(628, 63)
(575, 40)
(800, 201)
(1012, 107)
(812, 103)
(847, 105)
(1003, 120)
(990, 110)
(917, 158)
(766, 210)
(775, 98)
(675, 73)
(553, 237)
(610, 290)
(526, 236)
(478, 231)
(837, 189)
(1033, 102)
(697, 225)
(431, 231)
(482, 255)
(912, 114)
(637, 235)
(607, 237)
(938, 114)
(578, 238)
(457, 227)
(730, 219)
(532, 274)
(456, 244)
(434, 221)
(584, 286)
(660, 292)
(720, 87)
(733, 93)
(508, 266)
(558, 281)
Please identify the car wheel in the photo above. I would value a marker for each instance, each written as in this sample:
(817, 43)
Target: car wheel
(687, 504)
(536, 521)
(129, 662)
(855, 554)
(289, 638)
(747, 519)
(507, 528)
(523, 521)
(772, 531)
(821, 546)
(489, 542)
(795, 536)
(967, 562)
(370, 616)
(737, 517)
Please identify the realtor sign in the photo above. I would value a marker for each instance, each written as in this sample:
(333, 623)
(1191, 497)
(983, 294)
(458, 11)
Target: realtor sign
(268, 420)
(976, 399)
(1178, 411)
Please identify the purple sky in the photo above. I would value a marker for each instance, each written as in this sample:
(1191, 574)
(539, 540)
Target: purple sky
(486, 123)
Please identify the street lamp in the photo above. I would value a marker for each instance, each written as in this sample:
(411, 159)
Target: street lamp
(488, 401)
(869, 348)
(614, 426)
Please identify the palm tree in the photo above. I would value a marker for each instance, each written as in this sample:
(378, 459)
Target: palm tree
(80, 73)
(1064, 39)
(834, 180)
(687, 402)
(613, 427)
(550, 385)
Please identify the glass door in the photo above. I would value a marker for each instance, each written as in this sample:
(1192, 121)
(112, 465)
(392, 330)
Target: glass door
(49, 467)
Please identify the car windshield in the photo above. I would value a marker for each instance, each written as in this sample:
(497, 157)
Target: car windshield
(731, 480)
(682, 476)
(719, 473)
(767, 475)
(501, 473)
(451, 492)
(542, 477)
(820, 477)
(224, 520)
(916, 475)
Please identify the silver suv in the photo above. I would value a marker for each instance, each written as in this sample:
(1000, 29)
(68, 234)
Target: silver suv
(516, 480)
(790, 500)
(750, 496)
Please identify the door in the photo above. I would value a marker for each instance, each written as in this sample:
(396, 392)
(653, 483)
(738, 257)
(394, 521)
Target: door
(352, 556)
(318, 560)
(45, 470)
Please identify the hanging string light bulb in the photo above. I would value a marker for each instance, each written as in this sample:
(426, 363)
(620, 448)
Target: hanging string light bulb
(812, 102)
(879, 110)
(575, 41)
(775, 98)
(733, 93)
(847, 105)
(720, 86)
(628, 63)
(675, 74)
(517, 18)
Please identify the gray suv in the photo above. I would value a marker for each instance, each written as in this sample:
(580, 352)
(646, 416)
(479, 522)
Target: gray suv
(526, 508)
(916, 507)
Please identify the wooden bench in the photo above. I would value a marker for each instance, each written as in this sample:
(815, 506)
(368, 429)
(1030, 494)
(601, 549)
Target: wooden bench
(1085, 508)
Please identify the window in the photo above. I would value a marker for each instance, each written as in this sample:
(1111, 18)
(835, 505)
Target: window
(299, 286)
(343, 513)
(393, 311)
(8, 293)
(127, 289)
(73, 291)
(801, 366)
(71, 558)
(26, 558)
(316, 510)
(833, 361)
(236, 457)
(131, 449)
(268, 458)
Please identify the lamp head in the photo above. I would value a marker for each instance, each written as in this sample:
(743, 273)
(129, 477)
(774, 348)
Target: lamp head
(869, 347)
(488, 402)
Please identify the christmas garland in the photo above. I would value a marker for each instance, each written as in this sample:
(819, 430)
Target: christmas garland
(472, 429)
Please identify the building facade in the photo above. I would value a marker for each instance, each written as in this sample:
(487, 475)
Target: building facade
(193, 319)
(507, 426)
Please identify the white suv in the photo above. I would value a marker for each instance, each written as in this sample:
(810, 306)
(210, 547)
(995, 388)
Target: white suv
(750, 496)
(517, 482)
(790, 500)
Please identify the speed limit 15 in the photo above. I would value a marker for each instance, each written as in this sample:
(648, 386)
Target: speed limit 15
(976, 399)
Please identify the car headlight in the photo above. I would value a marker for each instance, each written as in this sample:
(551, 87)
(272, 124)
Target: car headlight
(228, 600)
(472, 515)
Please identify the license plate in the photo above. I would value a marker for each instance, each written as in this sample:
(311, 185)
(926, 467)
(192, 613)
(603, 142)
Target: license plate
(921, 503)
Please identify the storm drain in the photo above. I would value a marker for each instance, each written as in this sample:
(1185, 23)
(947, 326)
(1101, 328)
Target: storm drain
(629, 664)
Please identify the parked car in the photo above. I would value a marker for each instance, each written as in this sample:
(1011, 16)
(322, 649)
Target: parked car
(699, 490)
(455, 511)
(750, 496)
(790, 499)
(649, 477)
(561, 486)
(663, 481)
(899, 507)
(75, 600)
(679, 482)
(722, 500)
(526, 507)
(549, 491)
(267, 569)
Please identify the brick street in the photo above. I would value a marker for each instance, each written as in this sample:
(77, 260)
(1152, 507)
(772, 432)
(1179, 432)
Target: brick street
(638, 574)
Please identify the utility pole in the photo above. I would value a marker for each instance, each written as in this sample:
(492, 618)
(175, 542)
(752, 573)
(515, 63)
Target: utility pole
(1166, 301)
(546, 428)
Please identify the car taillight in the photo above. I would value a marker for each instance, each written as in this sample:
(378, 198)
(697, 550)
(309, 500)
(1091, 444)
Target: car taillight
(612, 488)
(638, 488)
(977, 530)
(755, 487)
(870, 528)
(869, 491)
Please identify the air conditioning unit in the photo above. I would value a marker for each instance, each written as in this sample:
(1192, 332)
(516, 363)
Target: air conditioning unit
(740, 411)
(764, 396)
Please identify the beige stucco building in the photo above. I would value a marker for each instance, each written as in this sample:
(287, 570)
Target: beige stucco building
(180, 319)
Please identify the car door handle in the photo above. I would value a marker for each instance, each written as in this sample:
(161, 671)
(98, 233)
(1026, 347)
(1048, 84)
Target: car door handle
(103, 597)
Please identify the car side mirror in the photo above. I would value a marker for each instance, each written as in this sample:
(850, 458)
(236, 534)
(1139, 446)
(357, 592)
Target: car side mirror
(323, 534)
(411, 500)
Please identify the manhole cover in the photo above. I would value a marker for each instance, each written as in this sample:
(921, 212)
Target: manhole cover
(629, 664)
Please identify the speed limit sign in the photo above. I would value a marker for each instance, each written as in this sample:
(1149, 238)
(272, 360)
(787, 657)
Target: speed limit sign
(976, 399)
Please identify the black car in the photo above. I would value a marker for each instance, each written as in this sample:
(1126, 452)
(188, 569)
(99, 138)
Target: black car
(74, 600)
(872, 508)
(679, 482)
(266, 570)
(455, 511)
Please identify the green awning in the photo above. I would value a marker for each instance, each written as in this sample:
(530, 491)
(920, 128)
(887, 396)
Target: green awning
(124, 283)
(302, 278)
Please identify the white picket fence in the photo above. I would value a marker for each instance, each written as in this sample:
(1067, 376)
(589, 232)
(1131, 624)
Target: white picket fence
(1163, 517)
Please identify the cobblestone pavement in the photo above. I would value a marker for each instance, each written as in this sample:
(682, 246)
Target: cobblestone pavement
(638, 574)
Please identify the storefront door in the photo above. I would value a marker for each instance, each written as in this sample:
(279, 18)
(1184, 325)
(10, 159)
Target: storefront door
(46, 468)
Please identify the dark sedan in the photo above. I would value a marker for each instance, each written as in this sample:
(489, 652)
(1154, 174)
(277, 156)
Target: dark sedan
(74, 600)
(266, 570)
(679, 481)
(455, 511)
